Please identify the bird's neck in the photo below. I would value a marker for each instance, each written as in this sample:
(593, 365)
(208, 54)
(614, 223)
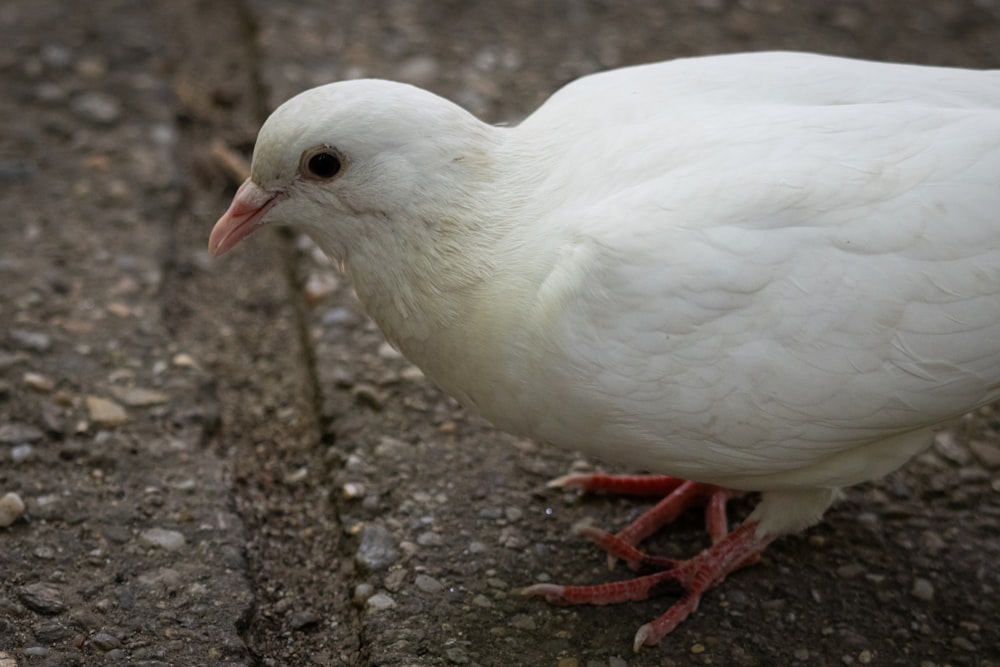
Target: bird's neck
(442, 312)
(451, 294)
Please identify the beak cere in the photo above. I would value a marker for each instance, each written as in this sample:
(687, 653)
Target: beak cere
(242, 218)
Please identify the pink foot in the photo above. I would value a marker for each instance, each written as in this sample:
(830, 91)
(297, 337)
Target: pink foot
(691, 578)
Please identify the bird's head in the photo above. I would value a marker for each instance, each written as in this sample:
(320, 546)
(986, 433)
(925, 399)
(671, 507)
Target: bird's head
(350, 162)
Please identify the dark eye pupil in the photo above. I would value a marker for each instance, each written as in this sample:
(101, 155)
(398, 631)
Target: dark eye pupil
(324, 165)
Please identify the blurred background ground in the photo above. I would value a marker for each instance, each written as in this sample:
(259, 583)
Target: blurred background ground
(223, 464)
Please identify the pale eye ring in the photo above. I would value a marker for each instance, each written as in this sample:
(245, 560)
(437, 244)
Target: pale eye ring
(321, 163)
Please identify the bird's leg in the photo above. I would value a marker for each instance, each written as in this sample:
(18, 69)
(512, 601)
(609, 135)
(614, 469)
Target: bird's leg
(693, 576)
(688, 578)
(679, 495)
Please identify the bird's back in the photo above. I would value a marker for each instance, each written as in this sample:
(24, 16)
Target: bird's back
(766, 283)
(771, 78)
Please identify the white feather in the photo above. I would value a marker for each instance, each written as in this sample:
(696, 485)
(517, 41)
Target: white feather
(774, 271)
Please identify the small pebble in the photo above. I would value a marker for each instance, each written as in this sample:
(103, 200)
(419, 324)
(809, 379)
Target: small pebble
(96, 107)
(412, 374)
(387, 351)
(182, 360)
(16, 433)
(395, 580)
(105, 641)
(353, 490)
(429, 539)
(362, 592)
(987, 452)
(136, 397)
(43, 598)
(105, 412)
(44, 552)
(922, 589)
(380, 602)
(39, 382)
(169, 540)
(946, 444)
(11, 508)
(368, 396)
(33, 341)
(338, 316)
(51, 632)
(91, 67)
(963, 644)
(428, 584)
(377, 549)
(319, 286)
(302, 620)
(21, 453)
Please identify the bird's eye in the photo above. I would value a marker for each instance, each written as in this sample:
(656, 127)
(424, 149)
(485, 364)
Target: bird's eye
(323, 163)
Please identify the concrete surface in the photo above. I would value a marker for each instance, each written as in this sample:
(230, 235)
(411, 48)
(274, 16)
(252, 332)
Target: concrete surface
(223, 464)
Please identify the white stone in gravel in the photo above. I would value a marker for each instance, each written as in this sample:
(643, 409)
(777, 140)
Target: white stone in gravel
(169, 540)
(33, 341)
(387, 351)
(922, 589)
(987, 452)
(428, 584)
(21, 453)
(380, 602)
(377, 549)
(182, 360)
(363, 591)
(11, 507)
(105, 412)
(16, 433)
(429, 539)
(39, 382)
(947, 446)
(96, 107)
(513, 513)
(138, 397)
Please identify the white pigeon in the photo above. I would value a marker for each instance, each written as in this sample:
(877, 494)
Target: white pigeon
(769, 272)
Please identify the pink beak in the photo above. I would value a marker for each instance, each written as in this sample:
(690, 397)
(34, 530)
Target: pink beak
(242, 218)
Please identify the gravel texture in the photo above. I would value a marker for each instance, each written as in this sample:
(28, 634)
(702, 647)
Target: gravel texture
(222, 463)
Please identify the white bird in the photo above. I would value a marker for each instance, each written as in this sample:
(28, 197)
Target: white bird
(768, 272)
